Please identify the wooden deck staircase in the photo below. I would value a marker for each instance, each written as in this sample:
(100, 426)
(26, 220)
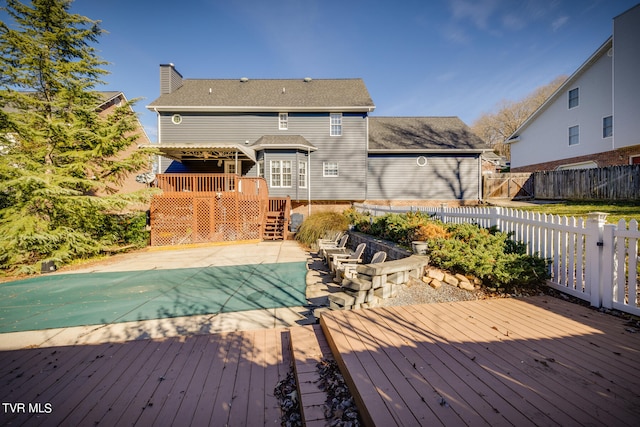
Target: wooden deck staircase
(277, 219)
(275, 226)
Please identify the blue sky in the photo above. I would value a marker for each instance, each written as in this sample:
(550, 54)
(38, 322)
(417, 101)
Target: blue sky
(417, 58)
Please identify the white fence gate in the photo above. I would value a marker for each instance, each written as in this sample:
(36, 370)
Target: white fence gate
(591, 260)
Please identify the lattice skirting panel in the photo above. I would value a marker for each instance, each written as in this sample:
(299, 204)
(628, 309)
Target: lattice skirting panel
(182, 219)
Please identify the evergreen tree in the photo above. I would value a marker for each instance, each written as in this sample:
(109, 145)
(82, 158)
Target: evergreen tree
(56, 150)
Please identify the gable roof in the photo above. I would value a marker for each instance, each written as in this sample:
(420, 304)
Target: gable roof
(422, 134)
(602, 50)
(283, 95)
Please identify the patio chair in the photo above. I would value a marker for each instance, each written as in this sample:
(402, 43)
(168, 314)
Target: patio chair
(348, 270)
(331, 241)
(354, 257)
(338, 248)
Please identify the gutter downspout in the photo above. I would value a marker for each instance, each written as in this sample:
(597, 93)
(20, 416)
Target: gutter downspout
(158, 157)
(480, 176)
(308, 181)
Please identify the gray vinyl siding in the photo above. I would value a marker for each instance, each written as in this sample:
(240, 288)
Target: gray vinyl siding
(349, 150)
(170, 80)
(398, 177)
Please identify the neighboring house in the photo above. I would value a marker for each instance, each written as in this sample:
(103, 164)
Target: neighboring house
(494, 163)
(109, 102)
(593, 119)
(312, 140)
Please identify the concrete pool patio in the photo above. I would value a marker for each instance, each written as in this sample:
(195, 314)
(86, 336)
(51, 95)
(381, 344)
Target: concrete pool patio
(158, 259)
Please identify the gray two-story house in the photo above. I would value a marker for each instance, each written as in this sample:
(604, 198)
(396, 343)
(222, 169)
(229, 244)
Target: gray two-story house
(313, 140)
(306, 137)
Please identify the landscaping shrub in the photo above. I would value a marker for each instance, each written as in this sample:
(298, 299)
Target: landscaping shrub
(430, 230)
(399, 228)
(488, 254)
(321, 225)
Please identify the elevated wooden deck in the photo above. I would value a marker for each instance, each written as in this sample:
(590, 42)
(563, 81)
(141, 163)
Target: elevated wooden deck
(537, 361)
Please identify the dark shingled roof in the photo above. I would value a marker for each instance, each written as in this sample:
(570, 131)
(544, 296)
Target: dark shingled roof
(278, 94)
(422, 134)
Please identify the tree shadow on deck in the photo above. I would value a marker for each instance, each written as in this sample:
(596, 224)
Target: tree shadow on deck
(225, 379)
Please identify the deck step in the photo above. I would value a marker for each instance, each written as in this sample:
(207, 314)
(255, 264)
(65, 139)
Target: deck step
(274, 226)
(309, 346)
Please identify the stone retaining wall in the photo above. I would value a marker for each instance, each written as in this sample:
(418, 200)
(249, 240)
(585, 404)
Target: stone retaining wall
(375, 245)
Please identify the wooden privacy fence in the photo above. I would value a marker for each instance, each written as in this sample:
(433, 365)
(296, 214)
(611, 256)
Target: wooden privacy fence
(508, 186)
(196, 208)
(609, 183)
(589, 259)
(612, 183)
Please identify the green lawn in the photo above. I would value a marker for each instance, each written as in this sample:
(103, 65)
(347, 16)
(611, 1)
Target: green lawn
(627, 210)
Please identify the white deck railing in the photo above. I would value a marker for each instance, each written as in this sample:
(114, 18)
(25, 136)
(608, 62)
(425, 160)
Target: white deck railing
(589, 259)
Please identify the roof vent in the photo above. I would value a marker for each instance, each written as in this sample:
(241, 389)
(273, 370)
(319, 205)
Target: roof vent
(307, 79)
(244, 79)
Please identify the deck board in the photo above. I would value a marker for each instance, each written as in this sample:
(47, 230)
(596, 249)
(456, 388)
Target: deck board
(175, 381)
(545, 391)
(536, 361)
(584, 360)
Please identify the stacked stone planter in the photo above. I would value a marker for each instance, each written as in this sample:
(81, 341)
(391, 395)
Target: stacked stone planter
(375, 282)
(374, 245)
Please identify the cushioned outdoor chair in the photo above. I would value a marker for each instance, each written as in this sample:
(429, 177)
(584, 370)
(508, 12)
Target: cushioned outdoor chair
(348, 270)
(354, 257)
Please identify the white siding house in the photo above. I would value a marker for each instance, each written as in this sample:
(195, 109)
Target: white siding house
(593, 119)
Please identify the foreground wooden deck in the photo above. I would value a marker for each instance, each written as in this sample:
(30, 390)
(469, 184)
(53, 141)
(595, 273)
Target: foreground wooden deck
(224, 379)
(537, 361)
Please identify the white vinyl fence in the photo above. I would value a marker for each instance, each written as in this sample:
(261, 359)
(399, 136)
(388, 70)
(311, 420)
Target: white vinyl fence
(591, 260)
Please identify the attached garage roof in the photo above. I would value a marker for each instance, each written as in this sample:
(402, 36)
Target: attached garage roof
(422, 134)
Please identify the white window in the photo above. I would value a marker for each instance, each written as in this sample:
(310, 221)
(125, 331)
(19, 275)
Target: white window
(607, 127)
(574, 98)
(302, 174)
(336, 124)
(260, 168)
(280, 173)
(330, 169)
(574, 135)
(176, 119)
(283, 121)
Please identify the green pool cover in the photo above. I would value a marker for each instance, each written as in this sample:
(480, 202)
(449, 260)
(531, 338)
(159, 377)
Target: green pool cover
(64, 300)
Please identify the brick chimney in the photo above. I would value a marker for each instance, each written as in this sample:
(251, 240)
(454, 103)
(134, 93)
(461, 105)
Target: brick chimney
(170, 78)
